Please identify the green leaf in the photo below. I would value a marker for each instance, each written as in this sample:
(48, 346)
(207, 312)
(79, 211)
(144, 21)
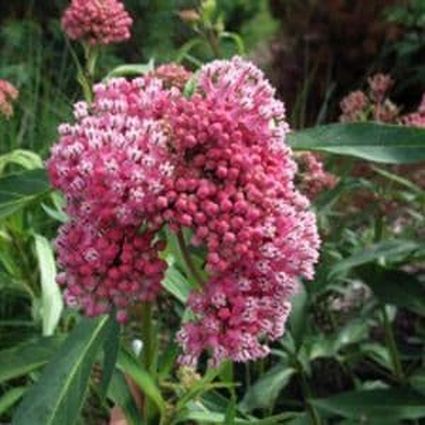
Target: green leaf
(176, 284)
(210, 417)
(303, 419)
(11, 398)
(24, 358)
(24, 158)
(111, 348)
(17, 190)
(367, 406)
(265, 391)
(229, 418)
(130, 366)
(328, 198)
(128, 70)
(298, 316)
(57, 397)
(395, 287)
(392, 144)
(190, 87)
(417, 380)
(383, 250)
(119, 393)
(378, 353)
(51, 297)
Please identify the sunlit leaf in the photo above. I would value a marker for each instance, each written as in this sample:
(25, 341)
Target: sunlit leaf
(51, 297)
(392, 144)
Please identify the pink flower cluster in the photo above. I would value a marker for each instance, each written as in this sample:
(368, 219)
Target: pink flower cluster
(353, 106)
(97, 21)
(143, 156)
(416, 119)
(312, 178)
(8, 93)
(375, 105)
(235, 189)
(172, 75)
(112, 164)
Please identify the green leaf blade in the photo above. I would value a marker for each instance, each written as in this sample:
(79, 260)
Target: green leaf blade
(58, 395)
(391, 144)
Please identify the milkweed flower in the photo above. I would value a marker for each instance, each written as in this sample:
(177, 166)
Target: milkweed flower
(172, 75)
(143, 156)
(97, 21)
(235, 189)
(312, 176)
(112, 164)
(416, 119)
(8, 93)
(353, 106)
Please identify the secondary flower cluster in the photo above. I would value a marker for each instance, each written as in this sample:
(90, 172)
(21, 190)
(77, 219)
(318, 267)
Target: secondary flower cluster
(144, 156)
(375, 104)
(97, 21)
(416, 119)
(312, 178)
(8, 93)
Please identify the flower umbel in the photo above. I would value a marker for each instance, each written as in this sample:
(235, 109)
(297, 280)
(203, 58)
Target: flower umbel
(8, 93)
(97, 21)
(143, 156)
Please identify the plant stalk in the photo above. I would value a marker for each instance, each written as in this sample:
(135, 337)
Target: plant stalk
(147, 354)
(392, 346)
(188, 260)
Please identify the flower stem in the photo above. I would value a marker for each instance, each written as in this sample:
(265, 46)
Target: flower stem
(392, 346)
(147, 354)
(314, 415)
(188, 260)
(147, 335)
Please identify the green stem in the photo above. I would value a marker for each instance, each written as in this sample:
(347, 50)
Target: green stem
(314, 415)
(392, 346)
(214, 42)
(188, 260)
(146, 355)
(147, 335)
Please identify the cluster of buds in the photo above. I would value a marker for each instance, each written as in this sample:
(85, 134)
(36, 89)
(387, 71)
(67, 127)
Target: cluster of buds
(416, 119)
(371, 105)
(143, 156)
(313, 179)
(97, 21)
(8, 93)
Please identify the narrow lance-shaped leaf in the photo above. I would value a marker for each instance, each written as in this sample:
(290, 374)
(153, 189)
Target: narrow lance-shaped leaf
(24, 358)
(51, 298)
(111, 347)
(119, 392)
(129, 365)
(392, 144)
(132, 69)
(17, 190)
(265, 391)
(370, 405)
(395, 287)
(10, 398)
(391, 249)
(57, 397)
